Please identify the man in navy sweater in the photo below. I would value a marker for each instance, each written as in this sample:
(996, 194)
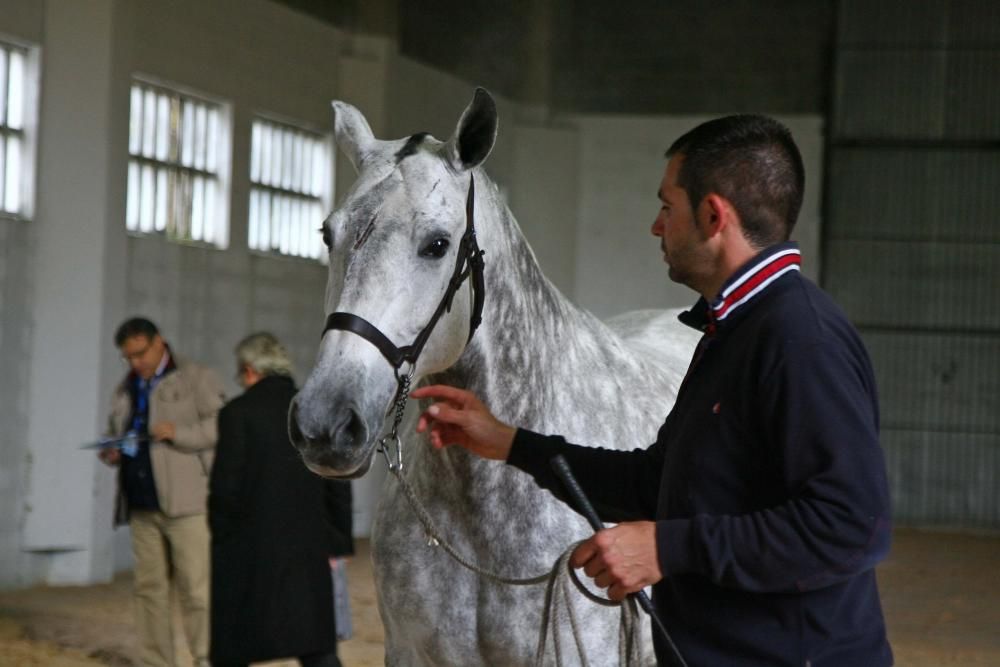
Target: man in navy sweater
(761, 510)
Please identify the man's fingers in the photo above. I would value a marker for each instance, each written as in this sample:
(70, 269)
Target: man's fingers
(582, 554)
(441, 392)
(443, 435)
(423, 423)
(603, 579)
(617, 592)
(442, 412)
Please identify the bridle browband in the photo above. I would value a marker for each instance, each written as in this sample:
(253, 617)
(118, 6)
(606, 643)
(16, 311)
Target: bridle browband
(468, 262)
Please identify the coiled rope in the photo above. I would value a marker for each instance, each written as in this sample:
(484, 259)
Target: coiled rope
(558, 608)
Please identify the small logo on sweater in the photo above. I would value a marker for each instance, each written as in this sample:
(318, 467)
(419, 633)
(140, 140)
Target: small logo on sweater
(716, 408)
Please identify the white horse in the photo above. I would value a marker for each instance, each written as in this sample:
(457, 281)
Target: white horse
(537, 361)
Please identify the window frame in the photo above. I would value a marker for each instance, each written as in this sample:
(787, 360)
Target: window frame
(324, 199)
(173, 166)
(26, 134)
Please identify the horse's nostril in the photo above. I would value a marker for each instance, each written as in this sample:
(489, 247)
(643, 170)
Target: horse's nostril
(295, 435)
(346, 429)
(300, 436)
(351, 431)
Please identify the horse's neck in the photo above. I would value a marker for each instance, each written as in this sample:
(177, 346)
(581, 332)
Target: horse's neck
(534, 346)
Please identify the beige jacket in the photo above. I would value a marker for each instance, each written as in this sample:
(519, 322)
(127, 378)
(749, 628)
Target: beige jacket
(190, 398)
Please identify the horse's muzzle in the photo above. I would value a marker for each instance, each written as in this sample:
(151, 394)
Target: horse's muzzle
(338, 448)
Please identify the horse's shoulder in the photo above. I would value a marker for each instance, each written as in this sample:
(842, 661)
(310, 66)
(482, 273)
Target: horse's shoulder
(656, 332)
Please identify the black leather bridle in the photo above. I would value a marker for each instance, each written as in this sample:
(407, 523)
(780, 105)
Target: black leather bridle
(468, 262)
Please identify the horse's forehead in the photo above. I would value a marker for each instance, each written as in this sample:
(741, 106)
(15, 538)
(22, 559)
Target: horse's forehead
(418, 183)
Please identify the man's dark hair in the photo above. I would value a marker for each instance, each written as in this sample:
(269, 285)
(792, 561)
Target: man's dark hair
(753, 162)
(135, 326)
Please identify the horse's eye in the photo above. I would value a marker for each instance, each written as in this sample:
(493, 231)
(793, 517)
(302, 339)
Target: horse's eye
(435, 249)
(327, 237)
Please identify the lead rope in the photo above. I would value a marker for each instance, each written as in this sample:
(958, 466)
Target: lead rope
(630, 648)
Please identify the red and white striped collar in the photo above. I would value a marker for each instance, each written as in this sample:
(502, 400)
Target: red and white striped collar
(749, 281)
(754, 277)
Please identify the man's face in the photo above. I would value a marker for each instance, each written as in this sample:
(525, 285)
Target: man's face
(143, 354)
(681, 236)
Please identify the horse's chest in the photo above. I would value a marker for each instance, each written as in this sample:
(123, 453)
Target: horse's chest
(432, 605)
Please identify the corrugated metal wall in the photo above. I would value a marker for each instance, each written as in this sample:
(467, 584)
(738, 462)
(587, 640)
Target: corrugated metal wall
(912, 240)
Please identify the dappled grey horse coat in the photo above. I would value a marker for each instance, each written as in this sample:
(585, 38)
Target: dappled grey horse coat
(536, 360)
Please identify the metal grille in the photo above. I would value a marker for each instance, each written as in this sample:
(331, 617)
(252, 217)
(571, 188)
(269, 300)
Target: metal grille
(175, 184)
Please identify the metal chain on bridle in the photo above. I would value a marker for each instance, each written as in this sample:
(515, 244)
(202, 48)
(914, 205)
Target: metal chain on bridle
(558, 607)
(392, 438)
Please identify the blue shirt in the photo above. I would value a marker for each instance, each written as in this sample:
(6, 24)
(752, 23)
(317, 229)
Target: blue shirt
(138, 482)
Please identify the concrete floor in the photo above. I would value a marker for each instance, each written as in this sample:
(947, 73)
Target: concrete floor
(940, 592)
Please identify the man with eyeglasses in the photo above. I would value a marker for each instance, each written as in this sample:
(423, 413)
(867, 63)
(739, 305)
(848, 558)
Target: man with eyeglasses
(166, 408)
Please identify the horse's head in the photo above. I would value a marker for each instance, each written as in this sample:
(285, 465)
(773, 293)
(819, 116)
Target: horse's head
(394, 245)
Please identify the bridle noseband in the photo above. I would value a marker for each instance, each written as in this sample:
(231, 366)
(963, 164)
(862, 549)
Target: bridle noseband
(468, 263)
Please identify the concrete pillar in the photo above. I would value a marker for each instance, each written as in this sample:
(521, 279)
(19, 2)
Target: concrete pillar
(68, 524)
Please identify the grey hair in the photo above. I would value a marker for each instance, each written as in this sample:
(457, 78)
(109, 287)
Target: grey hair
(264, 353)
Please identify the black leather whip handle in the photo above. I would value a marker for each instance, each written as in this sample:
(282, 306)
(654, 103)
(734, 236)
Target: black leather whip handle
(560, 466)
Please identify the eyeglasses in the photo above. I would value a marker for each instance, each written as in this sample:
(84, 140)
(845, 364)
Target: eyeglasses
(129, 357)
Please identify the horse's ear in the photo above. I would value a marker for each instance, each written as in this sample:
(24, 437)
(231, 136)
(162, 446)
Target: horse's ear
(476, 132)
(352, 132)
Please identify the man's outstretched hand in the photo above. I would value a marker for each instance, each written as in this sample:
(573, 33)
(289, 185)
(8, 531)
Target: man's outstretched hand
(622, 559)
(459, 418)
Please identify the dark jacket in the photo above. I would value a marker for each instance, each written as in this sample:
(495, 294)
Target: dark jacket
(274, 524)
(768, 486)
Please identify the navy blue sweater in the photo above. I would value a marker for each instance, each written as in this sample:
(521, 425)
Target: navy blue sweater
(767, 482)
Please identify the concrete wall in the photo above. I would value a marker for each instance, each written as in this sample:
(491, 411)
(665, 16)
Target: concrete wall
(619, 265)
(912, 249)
(645, 57)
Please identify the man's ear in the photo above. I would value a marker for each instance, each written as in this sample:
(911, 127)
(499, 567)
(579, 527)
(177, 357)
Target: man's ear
(716, 213)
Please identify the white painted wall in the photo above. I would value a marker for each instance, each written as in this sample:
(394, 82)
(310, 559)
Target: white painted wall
(544, 195)
(582, 187)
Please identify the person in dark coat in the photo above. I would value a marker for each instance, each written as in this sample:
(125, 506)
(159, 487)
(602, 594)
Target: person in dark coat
(274, 526)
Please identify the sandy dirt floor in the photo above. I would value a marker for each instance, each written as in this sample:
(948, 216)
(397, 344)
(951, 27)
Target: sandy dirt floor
(940, 591)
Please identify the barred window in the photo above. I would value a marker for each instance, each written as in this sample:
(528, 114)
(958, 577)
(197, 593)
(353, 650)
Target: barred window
(178, 166)
(17, 69)
(291, 185)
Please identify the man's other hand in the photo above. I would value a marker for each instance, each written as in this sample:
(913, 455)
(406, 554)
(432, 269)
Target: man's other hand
(162, 431)
(111, 456)
(622, 559)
